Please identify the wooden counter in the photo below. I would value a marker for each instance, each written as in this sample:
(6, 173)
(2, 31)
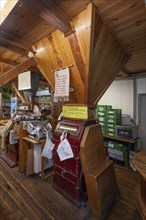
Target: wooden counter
(139, 161)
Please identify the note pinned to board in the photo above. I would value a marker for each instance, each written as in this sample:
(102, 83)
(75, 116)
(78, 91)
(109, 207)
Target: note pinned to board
(62, 83)
(24, 80)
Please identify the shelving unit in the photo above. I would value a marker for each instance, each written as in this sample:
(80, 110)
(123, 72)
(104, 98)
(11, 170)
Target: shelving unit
(5, 109)
(118, 148)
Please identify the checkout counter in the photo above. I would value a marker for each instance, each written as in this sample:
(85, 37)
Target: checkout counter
(68, 177)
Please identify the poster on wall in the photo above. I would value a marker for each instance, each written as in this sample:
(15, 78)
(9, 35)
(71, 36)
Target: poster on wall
(24, 81)
(62, 83)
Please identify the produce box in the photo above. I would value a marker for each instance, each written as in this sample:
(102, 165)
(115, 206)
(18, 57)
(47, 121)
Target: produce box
(114, 111)
(103, 108)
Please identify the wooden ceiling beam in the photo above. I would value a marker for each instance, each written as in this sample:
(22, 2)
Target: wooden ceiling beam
(13, 48)
(12, 40)
(11, 74)
(49, 11)
(7, 61)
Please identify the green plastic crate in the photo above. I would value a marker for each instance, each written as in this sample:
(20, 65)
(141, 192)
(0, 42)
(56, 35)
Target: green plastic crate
(103, 108)
(116, 146)
(99, 113)
(102, 119)
(111, 125)
(112, 120)
(114, 111)
(107, 129)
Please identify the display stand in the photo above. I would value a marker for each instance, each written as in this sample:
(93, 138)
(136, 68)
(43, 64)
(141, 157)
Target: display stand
(26, 143)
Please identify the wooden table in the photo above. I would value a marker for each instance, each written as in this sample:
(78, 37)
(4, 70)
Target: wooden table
(139, 161)
(23, 147)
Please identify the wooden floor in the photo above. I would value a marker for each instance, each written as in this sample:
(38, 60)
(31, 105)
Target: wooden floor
(31, 198)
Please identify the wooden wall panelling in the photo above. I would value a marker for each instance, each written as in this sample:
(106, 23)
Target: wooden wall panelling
(108, 57)
(56, 52)
(43, 60)
(83, 24)
(66, 56)
(128, 22)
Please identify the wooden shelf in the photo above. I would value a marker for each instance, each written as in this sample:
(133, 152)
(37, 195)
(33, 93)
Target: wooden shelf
(120, 139)
(33, 141)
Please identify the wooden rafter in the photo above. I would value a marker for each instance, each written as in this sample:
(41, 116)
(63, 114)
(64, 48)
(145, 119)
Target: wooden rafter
(50, 13)
(18, 93)
(12, 40)
(11, 74)
(7, 61)
(13, 48)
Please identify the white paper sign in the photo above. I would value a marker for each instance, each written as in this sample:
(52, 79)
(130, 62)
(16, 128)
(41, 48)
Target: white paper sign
(24, 81)
(62, 83)
(48, 149)
(64, 150)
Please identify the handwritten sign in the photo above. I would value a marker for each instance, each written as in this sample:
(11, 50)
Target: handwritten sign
(80, 112)
(24, 81)
(62, 83)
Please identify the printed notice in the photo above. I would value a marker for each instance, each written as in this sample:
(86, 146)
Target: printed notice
(24, 81)
(62, 83)
(75, 112)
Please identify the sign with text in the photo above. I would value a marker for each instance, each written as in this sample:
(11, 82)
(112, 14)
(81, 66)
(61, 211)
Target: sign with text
(24, 81)
(62, 83)
(80, 112)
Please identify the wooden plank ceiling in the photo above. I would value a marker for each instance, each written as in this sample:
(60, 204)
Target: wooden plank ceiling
(32, 21)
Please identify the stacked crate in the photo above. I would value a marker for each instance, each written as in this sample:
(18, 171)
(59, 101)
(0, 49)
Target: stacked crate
(117, 151)
(108, 118)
